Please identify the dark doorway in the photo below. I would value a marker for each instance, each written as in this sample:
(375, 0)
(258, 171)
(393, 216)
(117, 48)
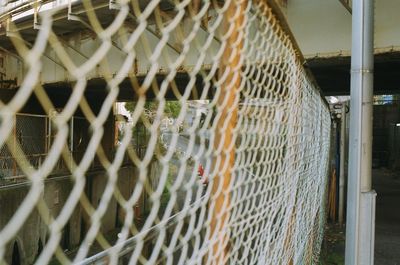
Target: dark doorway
(65, 239)
(386, 179)
(40, 248)
(16, 258)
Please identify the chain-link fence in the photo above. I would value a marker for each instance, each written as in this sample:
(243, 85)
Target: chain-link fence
(234, 172)
(30, 134)
(31, 138)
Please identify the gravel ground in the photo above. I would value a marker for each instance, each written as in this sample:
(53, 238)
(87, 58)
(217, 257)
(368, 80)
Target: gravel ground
(333, 246)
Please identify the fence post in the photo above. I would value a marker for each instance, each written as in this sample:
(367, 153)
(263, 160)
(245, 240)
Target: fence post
(227, 105)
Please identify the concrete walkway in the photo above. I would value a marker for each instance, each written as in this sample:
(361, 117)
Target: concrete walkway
(387, 235)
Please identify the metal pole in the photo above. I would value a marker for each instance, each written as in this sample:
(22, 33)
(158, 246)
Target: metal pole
(14, 146)
(71, 142)
(361, 199)
(342, 162)
(49, 134)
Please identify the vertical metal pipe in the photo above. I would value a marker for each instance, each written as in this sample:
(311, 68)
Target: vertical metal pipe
(49, 134)
(342, 163)
(14, 146)
(35, 12)
(71, 142)
(360, 147)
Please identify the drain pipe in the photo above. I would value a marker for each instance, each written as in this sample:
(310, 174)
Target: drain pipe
(360, 225)
(342, 163)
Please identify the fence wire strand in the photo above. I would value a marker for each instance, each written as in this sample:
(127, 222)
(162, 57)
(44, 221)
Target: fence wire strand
(223, 156)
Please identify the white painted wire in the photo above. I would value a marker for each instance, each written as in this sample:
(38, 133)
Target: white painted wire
(262, 142)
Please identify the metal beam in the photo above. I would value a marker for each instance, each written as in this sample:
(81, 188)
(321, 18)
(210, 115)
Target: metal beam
(59, 16)
(30, 45)
(177, 48)
(72, 47)
(360, 198)
(10, 53)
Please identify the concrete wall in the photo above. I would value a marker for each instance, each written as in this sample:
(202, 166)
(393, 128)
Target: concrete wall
(34, 229)
(55, 194)
(320, 26)
(324, 27)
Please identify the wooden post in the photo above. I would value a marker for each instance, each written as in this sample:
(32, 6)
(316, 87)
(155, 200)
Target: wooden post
(227, 105)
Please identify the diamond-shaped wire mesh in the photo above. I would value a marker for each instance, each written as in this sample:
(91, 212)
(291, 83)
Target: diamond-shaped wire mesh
(221, 157)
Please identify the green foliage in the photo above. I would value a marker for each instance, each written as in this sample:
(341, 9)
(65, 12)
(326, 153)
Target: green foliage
(171, 109)
(141, 134)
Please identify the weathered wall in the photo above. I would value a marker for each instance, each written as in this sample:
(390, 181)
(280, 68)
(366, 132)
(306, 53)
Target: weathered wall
(34, 229)
(324, 27)
(55, 194)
